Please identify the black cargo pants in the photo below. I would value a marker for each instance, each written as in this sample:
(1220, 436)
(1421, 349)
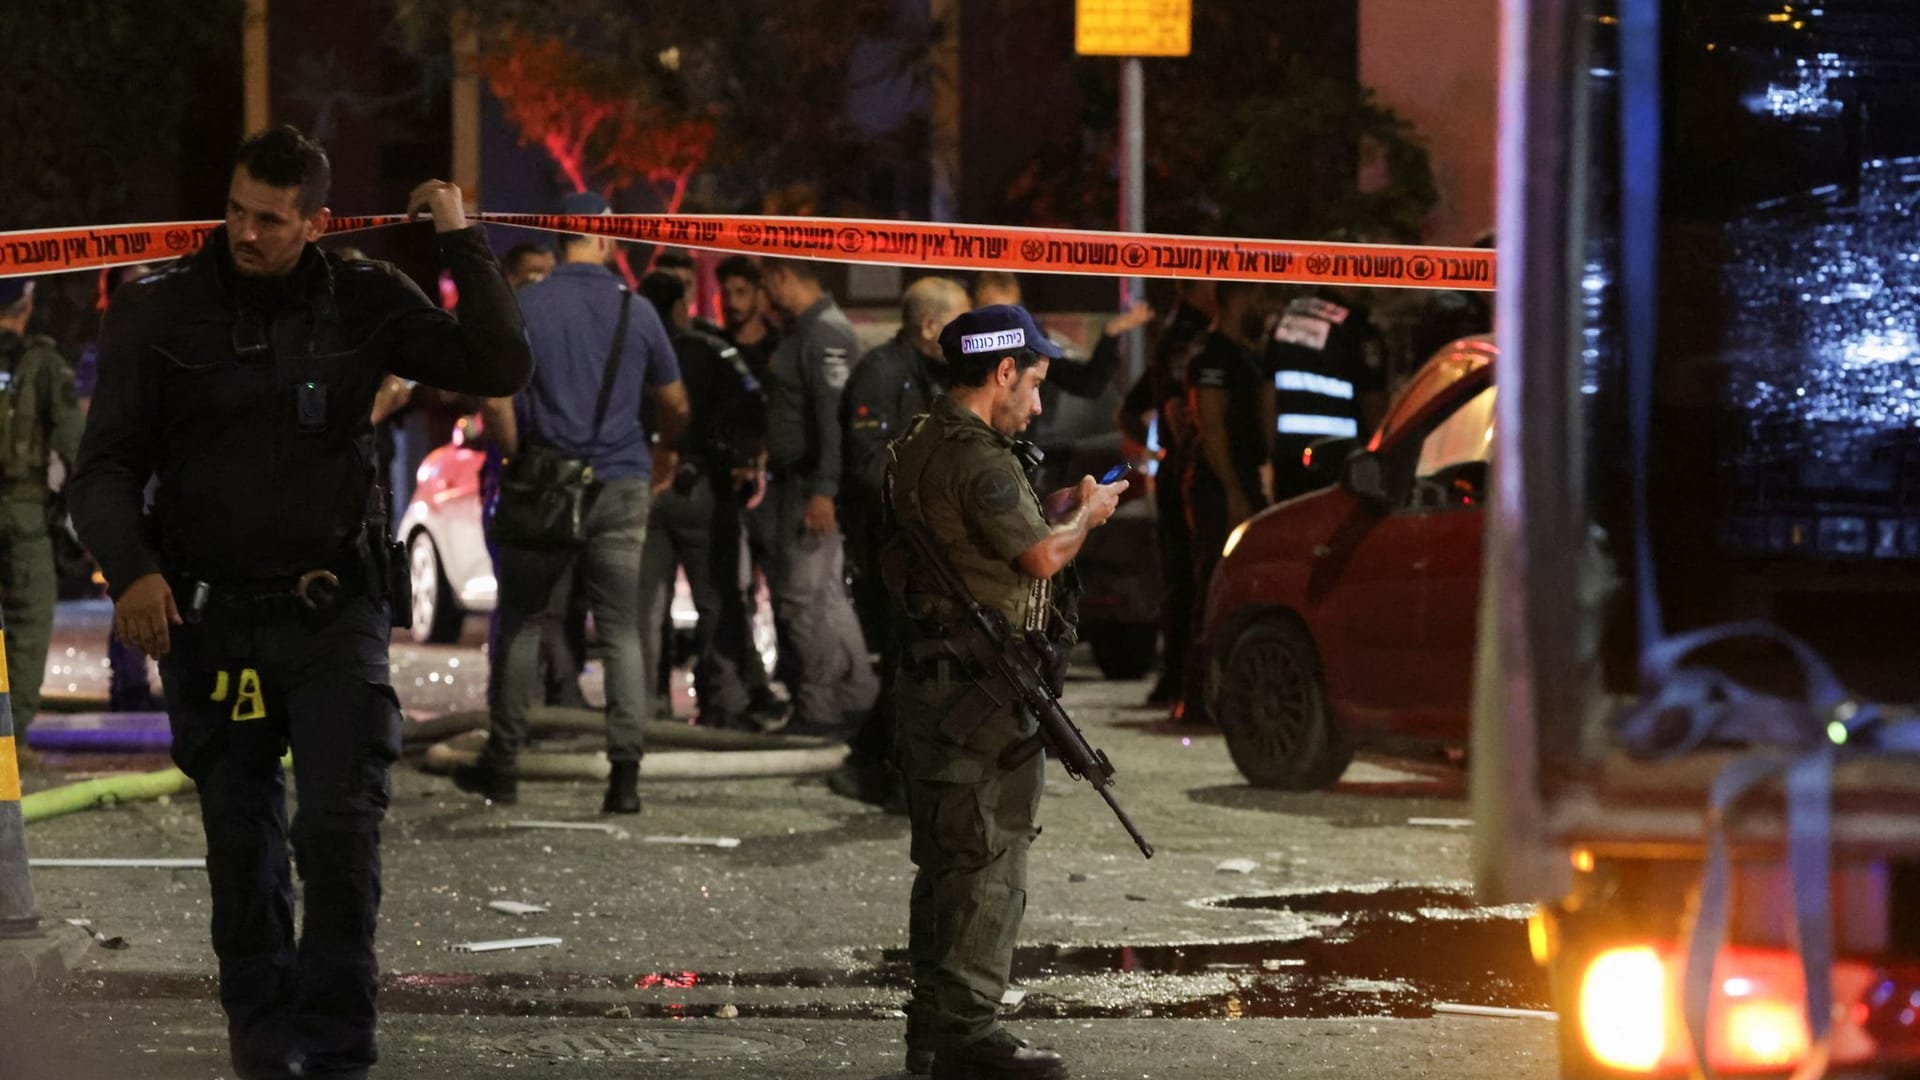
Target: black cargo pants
(240, 692)
(692, 528)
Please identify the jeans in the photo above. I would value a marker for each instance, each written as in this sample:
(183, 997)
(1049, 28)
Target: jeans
(534, 585)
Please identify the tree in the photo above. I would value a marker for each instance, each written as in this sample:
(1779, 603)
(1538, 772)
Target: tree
(603, 129)
(747, 96)
(1264, 130)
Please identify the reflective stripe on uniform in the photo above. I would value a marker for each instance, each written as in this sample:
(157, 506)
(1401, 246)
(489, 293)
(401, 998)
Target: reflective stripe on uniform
(1310, 383)
(1311, 424)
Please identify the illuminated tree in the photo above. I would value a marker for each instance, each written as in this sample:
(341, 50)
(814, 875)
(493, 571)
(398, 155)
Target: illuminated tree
(604, 130)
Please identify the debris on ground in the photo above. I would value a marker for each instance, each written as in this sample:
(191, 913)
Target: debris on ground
(502, 946)
(695, 841)
(115, 942)
(120, 864)
(572, 826)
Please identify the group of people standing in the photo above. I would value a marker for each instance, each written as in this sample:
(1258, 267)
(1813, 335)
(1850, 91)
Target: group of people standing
(1238, 387)
(698, 437)
(227, 482)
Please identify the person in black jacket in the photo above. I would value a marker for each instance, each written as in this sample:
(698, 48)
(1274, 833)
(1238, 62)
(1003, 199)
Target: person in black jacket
(244, 377)
(695, 524)
(1161, 393)
(894, 383)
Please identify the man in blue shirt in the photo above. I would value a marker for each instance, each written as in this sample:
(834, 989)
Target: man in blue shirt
(572, 322)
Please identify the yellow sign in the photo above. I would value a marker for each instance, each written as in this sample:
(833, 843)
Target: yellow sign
(1133, 27)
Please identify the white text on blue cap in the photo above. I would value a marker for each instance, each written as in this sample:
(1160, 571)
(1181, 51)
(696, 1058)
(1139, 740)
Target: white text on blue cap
(1015, 338)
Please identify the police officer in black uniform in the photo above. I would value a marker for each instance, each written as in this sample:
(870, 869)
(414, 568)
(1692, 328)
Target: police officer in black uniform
(244, 376)
(1231, 404)
(894, 383)
(1329, 370)
(1161, 391)
(695, 524)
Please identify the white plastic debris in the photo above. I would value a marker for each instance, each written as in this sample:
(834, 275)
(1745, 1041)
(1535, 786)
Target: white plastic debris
(1495, 1011)
(1013, 995)
(572, 826)
(502, 946)
(123, 864)
(515, 907)
(115, 942)
(1236, 866)
(1441, 822)
(695, 841)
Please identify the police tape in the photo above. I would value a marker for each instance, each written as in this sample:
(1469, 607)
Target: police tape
(887, 243)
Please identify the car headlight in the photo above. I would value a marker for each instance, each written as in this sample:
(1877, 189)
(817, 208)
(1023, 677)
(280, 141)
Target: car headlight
(1233, 538)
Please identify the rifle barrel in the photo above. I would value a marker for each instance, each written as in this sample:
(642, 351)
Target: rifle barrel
(1146, 849)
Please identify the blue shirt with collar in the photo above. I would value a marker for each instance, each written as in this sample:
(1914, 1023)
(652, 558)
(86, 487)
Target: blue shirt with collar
(571, 317)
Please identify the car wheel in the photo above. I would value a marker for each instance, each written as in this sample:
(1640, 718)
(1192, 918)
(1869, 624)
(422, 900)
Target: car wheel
(436, 614)
(1124, 650)
(1271, 704)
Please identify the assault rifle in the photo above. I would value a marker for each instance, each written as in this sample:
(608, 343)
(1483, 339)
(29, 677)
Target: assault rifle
(1008, 668)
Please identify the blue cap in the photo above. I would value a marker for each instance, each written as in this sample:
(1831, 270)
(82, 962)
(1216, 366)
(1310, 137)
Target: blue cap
(997, 328)
(12, 289)
(585, 204)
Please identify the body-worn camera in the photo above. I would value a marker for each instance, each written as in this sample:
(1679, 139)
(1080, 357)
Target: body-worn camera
(310, 406)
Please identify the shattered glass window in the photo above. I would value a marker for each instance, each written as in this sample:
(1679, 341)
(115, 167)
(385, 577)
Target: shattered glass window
(1785, 456)
(1795, 167)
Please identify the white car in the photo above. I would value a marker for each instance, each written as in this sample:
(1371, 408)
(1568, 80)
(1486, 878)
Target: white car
(453, 573)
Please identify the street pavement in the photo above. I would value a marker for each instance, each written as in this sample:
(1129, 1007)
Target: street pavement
(1329, 945)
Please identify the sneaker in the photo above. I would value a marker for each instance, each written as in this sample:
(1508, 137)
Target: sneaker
(999, 1056)
(489, 782)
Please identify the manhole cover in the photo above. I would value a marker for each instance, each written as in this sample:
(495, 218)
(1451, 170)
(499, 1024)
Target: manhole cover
(677, 1043)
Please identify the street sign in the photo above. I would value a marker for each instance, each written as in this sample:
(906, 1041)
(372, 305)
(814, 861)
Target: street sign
(1133, 27)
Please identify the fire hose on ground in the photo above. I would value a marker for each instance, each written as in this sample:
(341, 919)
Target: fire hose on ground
(456, 738)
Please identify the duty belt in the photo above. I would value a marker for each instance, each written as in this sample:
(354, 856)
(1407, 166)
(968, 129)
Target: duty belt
(317, 593)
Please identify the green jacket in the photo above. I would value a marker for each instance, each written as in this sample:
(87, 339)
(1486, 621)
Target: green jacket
(960, 476)
(39, 415)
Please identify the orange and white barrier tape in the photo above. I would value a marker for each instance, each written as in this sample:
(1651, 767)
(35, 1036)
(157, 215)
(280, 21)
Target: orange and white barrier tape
(890, 243)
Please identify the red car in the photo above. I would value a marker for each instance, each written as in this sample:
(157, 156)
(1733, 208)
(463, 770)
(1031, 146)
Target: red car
(1347, 615)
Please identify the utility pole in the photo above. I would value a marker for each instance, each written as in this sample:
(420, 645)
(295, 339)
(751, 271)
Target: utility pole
(1131, 29)
(254, 49)
(1133, 200)
(945, 201)
(466, 108)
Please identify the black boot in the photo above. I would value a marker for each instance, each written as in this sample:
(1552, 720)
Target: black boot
(999, 1055)
(492, 782)
(623, 789)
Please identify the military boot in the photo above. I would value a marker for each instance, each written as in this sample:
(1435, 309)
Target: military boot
(623, 789)
(492, 782)
(999, 1056)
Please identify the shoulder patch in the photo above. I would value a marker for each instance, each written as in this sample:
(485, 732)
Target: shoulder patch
(1306, 331)
(996, 491)
(834, 367)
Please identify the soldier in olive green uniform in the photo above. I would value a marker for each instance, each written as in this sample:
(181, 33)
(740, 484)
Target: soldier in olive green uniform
(974, 819)
(39, 414)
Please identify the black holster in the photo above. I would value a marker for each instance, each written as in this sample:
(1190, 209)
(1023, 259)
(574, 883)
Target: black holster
(389, 573)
